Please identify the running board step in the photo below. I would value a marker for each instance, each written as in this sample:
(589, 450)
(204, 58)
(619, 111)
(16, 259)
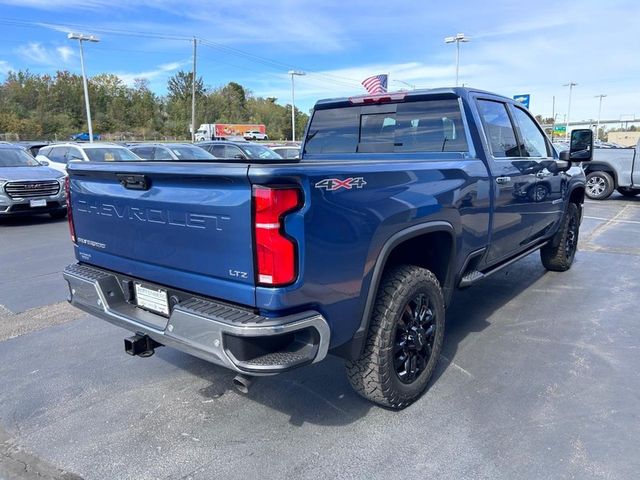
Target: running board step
(470, 278)
(473, 276)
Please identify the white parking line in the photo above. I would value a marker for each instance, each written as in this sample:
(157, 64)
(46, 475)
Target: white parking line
(603, 203)
(613, 220)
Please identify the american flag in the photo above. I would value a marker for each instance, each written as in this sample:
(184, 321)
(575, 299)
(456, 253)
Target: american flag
(376, 84)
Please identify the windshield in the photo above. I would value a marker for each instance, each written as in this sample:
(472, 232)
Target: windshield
(110, 154)
(10, 157)
(258, 151)
(191, 153)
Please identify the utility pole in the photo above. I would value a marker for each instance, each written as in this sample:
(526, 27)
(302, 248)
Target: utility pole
(459, 37)
(193, 94)
(85, 38)
(570, 85)
(601, 96)
(293, 73)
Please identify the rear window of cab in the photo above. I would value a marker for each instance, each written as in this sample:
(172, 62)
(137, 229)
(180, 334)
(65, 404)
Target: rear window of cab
(422, 126)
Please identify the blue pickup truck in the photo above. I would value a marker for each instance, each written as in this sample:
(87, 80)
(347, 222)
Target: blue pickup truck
(353, 250)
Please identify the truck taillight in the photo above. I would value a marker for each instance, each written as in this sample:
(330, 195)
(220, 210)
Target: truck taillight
(67, 191)
(276, 261)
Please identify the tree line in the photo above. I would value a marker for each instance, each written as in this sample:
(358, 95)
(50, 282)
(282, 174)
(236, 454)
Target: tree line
(51, 107)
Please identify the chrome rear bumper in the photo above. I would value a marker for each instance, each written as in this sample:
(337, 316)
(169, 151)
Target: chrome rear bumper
(224, 334)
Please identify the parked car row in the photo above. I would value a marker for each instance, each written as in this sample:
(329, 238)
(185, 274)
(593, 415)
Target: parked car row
(59, 155)
(32, 173)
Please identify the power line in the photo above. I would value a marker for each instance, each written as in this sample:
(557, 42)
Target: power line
(279, 65)
(274, 64)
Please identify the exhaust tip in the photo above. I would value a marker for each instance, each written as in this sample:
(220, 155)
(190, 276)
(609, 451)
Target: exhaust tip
(242, 383)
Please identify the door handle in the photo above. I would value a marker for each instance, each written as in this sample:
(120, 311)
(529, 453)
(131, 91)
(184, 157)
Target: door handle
(502, 180)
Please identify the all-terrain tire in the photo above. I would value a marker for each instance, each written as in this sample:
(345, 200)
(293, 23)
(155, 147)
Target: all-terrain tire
(599, 186)
(375, 375)
(558, 254)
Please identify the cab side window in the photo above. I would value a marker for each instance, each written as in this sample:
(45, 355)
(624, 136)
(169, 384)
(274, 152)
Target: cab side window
(44, 151)
(534, 143)
(58, 154)
(216, 150)
(231, 151)
(74, 154)
(145, 153)
(499, 129)
(162, 153)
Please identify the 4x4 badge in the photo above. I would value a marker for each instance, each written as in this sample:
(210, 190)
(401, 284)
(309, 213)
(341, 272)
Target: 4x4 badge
(332, 184)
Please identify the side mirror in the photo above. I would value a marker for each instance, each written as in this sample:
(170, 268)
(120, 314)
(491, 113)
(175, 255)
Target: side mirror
(44, 163)
(239, 156)
(581, 146)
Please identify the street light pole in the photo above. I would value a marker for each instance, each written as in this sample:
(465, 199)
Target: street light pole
(193, 94)
(85, 38)
(601, 96)
(460, 37)
(566, 133)
(293, 73)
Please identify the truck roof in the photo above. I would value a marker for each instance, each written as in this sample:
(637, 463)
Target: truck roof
(404, 95)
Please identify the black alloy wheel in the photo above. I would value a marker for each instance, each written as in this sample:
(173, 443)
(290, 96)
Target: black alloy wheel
(571, 239)
(414, 338)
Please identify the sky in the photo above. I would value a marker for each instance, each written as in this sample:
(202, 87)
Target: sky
(515, 47)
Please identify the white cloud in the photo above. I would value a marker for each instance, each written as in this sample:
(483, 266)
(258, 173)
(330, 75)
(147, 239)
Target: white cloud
(524, 27)
(66, 53)
(5, 67)
(58, 4)
(346, 81)
(35, 52)
(159, 72)
(310, 28)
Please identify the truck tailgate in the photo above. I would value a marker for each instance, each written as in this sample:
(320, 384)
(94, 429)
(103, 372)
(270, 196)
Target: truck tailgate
(184, 225)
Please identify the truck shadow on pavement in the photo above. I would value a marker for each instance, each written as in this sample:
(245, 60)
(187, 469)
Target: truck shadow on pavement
(321, 394)
(471, 308)
(28, 220)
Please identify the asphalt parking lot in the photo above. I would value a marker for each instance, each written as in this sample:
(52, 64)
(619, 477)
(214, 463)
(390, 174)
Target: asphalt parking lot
(539, 379)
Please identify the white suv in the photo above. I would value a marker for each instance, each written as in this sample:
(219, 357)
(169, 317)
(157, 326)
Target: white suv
(255, 135)
(58, 155)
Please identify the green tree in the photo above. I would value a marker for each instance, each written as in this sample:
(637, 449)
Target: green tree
(179, 101)
(52, 107)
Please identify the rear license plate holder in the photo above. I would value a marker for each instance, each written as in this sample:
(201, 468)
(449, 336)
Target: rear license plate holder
(152, 298)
